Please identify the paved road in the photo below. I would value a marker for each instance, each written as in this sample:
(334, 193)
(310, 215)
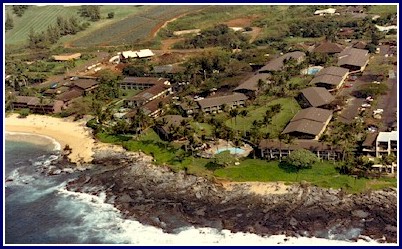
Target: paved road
(100, 56)
(389, 103)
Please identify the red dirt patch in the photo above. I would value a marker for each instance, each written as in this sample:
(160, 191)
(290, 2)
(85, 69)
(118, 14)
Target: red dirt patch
(167, 44)
(241, 22)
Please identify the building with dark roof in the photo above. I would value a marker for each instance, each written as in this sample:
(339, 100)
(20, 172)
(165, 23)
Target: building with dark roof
(315, 97)
(140, 83)
(353, 59)
(308, 123)
(330, 78)
(154, 92)
(216, 104)
(85, 85)
(327, 47)
(154, 107)
(278, 63)
(165, 125)
(36, 105)
(250, 86)
(69, 96)
(273, 149)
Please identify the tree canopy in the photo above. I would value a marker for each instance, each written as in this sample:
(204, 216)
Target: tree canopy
(301, 159)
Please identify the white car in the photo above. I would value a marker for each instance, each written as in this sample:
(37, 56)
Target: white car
(366, 105)
(370, 99)
(376, 82)
(378, 111)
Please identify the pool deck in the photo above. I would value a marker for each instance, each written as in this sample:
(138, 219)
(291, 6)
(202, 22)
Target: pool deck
(222, 144)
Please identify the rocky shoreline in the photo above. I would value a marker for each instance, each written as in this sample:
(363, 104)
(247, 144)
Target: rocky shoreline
(155, 195)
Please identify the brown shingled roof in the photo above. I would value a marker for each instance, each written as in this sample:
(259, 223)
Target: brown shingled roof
(317, 96)
(304, 126)
(329, 48)
(314, 114)
(252, 82)
(277, 63)
(144, 80)
(370, 139)
(327, 79)
(312, 145)
(69, 95)
(218, 101)
(336, 71)
(150, 92)
(85, 83)
(353, 56)
(152, 106)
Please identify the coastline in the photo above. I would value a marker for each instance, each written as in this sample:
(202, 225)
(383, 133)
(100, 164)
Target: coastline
(64, 131)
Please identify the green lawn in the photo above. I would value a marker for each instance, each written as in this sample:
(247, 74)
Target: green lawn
(279, 121)
(202, 128)
(382, 9)
(322, 174)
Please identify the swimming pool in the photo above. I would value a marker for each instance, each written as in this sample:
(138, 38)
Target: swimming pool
(313, 70)
(232, 150)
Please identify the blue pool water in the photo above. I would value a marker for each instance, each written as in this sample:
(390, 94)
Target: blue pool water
(231, 150)
(313, 70)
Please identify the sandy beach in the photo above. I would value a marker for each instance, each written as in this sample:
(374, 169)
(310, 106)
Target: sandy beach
(65, 131)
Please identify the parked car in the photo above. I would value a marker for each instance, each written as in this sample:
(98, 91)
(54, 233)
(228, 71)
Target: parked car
(378, 111)
(366, 105)
(376, 82)
(53, 85)
(348, 85)
(372, 129)
(352, 78)
(369, 99)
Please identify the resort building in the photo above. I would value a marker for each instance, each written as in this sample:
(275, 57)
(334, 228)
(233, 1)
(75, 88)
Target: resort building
(315, 97)
(327, 47)
(277, 64)
(36, 105)
(140, 83)
(149, 94)
(353, 59)
(85, 85)
(308, 123)
(386, 143)
(166, 124)
(274, 149)
(331, 78)
(216, 104)
(250, 87)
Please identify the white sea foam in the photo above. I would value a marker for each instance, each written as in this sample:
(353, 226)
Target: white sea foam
(104, 222)
(57, 146)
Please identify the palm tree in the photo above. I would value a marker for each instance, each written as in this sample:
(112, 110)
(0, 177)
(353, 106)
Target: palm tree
(233, 114)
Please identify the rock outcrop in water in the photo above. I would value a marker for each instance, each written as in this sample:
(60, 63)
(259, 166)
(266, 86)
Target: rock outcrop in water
(157, 196)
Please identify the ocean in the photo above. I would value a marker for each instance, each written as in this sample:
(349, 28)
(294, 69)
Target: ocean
(39, 210)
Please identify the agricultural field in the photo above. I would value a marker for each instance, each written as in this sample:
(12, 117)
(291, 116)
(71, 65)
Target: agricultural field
(135, 28)
(37, 18)
(40, 17)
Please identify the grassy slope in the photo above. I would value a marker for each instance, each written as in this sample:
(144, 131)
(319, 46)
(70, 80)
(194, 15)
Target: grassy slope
(322, 174)
(383, 9)
(289, 109)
